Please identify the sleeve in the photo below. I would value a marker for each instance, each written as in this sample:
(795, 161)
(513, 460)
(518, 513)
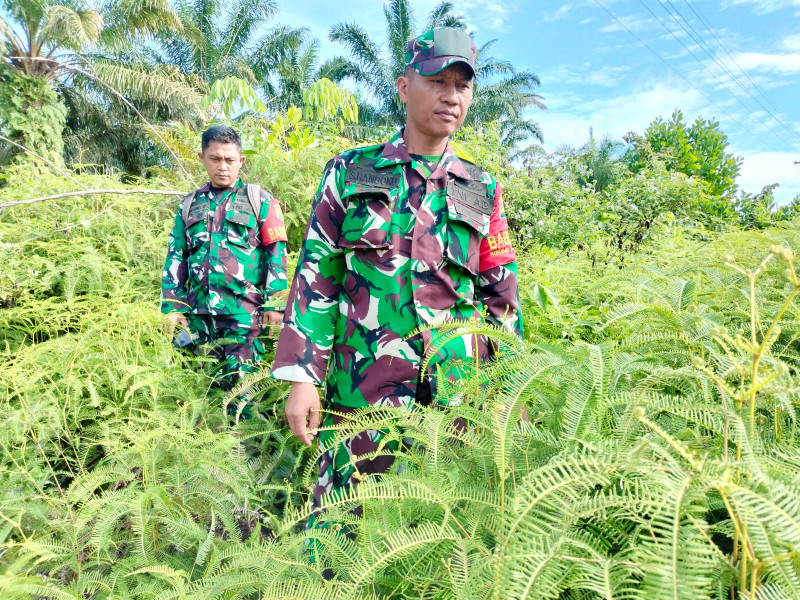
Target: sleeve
(174, 296)
(497, 287)
(312, 309)
(273, 241)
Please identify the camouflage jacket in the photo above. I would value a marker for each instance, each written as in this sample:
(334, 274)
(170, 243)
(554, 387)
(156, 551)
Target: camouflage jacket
(221, 262)
(387, 251)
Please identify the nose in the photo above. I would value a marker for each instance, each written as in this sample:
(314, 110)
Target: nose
(450, 93)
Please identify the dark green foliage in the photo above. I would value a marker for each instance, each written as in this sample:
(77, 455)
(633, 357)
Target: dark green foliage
(759, 210)
(31, 115)
(79, 50)
(598, 163)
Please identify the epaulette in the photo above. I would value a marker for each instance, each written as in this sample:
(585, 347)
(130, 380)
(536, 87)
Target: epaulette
(473, 170)
(329, 164)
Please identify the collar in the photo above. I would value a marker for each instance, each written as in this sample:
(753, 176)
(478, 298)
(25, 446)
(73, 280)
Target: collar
(395, 152)
(207, 187)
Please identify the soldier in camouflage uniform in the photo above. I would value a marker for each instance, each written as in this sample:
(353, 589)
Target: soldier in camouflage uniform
(401, 234)
(226, 260)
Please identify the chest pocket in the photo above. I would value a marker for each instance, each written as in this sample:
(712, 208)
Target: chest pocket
(468, 212)
(369, 205)
(368, 218)
(462, 245)
(241, 224)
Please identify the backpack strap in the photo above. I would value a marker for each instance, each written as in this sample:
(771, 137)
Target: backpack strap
(188, 200)
(253, 193)
(255, 200)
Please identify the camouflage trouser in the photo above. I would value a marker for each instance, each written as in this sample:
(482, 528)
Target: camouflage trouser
(336, 468)
(239, 353)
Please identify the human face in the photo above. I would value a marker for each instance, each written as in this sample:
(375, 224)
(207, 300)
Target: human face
(223, 163)
(436, 105)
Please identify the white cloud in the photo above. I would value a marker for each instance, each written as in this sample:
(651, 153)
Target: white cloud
(493, 13)
(586, 74)
(791, 42)
(763, 6)
(568, 122)
(562, 12)
(784, 64)
(763, 168)
(626, 23)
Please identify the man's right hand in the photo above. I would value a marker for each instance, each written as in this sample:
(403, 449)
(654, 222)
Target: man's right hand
(174, 319)
(303, 410)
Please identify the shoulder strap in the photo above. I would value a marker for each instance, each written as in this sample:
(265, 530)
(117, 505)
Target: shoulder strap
(188, 200)
(474, 171)
(255, 200)
(328, 164)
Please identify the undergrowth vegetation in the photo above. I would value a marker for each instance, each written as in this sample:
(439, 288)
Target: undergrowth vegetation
(661, 458)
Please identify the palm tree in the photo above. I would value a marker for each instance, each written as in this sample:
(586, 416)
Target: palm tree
(50, 50)
(505, 100)
(220, 39)
(598, 163)
(375, 70)
(45, 31)
(297, 70)
(211, 40)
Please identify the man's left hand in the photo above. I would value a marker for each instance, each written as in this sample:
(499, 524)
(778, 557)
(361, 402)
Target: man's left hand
(272, 319)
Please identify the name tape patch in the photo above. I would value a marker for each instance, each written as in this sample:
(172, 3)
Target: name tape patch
(242, 207)
(471, 194)
(359, 175)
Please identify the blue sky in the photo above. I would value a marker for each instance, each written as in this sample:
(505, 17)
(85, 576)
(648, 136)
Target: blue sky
(615, 65)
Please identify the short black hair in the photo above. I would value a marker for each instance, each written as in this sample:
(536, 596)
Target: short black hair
(222, 134)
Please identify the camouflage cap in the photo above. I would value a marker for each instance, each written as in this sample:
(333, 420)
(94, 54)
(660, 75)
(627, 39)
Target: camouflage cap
(439, 48)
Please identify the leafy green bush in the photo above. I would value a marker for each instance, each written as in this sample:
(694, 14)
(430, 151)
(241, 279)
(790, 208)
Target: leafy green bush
(659, 460)
(699, 149)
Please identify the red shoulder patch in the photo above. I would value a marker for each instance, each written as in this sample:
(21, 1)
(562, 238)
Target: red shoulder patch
(496, 248)
(274, 229)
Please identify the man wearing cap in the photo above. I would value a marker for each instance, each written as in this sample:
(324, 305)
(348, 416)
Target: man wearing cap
(401, 235)
(225, 268)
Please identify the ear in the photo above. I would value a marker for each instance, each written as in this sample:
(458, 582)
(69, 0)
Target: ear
(241, 160)
(402, 88)
(200, 155)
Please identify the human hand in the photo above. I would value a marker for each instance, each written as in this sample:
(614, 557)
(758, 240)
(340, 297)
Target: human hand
(175, 319)
(272, 319)
(302, 410)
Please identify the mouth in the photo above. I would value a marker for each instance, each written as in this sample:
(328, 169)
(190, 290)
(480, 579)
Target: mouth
(447, 115)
